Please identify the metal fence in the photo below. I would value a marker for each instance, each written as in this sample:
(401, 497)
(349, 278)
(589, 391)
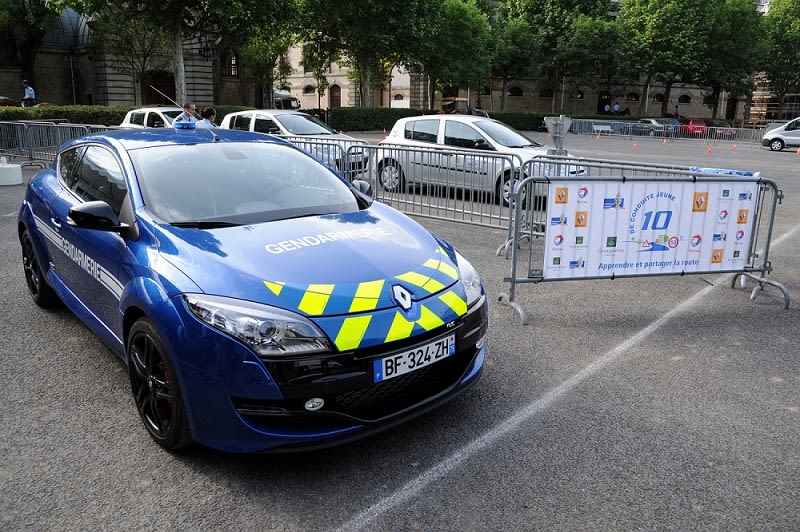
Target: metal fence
(553, 239)
(36, 142)
(669, 132)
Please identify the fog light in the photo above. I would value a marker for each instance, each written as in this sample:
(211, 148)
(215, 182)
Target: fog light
(315, 404)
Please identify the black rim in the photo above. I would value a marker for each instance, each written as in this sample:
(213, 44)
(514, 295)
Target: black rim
(33, 274)
(153, 388)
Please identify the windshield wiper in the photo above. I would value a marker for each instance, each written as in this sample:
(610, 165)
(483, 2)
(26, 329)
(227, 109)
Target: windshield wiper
(204, 224)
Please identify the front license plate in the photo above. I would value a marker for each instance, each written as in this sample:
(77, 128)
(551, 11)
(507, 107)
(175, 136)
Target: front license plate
(413, 359)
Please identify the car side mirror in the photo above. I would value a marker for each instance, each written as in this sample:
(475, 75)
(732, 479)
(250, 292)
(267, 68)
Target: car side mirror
(96, 215)
(362, 186)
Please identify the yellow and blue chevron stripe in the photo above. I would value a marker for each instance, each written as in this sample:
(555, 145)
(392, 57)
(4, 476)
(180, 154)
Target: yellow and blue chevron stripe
(365, 314)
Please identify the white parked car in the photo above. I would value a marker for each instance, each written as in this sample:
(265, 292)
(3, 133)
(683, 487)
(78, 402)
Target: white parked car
(151, 117)
(785, 135)
(459, 151)
(306, 131)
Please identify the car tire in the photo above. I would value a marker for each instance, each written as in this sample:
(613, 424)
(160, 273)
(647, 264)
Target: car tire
(776, 145)
(391, 176)
(503, 190)
(155, 387)
(41, 292)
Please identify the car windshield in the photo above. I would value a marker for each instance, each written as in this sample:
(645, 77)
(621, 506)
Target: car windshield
(718, 123)
(223, 184)
(668, 121)
(302, 124)
(171, 115)
(505, 135)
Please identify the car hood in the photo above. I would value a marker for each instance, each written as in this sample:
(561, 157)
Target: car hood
(318, 266)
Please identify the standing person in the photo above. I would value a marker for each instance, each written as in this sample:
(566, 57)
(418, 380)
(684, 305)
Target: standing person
(29, 97)
(677, 113)
(186, 118)
(616, 108)
(209, 115)
(607, 108)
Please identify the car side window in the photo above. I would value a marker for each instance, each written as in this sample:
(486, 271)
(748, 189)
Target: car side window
(423, 130)
(66, 165)
(266, 125)
(154, 120)
(241, 122)
(460, 135)
(98, 176)
(137, 119)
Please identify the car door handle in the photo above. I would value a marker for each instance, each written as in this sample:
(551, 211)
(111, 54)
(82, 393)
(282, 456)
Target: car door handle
(56, 222)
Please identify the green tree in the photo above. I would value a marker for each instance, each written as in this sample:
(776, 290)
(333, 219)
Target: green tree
(134, 46)
(664, 41)
(23, 24)
(552, 23)
(733, 50)
(368, 34)
(185, 19)
(511, 43)
(458, 55)
(591, 53)
(782, 62)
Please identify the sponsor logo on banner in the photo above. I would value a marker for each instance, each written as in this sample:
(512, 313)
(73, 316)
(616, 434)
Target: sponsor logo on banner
(617, 202)
(745, 196)
(720, 237)
(739, 234)
(556, 261)
(723, 215)
(562, 195)
(716, 256)
(558, 240)
(577, 264)
(695, 241)
(700, 203)
(742, 216)
(581, 218)
(559, 220)
(579, 240)
(726, 193)
(583, 193)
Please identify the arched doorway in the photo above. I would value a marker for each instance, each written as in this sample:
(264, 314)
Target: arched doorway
(334, 96)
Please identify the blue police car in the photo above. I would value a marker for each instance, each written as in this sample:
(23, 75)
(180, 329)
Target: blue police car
(260, 301)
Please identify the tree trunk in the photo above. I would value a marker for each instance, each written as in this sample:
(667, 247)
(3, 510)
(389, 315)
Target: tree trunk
(665, 111)
(643, 101)
(177, 63)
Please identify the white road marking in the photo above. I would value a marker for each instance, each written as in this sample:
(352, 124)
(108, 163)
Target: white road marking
(443, 468)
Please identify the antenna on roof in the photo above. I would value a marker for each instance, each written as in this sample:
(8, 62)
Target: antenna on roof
(165, 96)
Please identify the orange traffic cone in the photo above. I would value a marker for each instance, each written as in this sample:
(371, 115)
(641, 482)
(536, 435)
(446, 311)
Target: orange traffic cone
(734, 147)
(635, 145)
(709, 149)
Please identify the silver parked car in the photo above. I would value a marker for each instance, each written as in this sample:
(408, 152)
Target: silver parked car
(306, 131)
(459, 151)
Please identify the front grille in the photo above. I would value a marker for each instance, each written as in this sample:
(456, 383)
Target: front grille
(346, 384)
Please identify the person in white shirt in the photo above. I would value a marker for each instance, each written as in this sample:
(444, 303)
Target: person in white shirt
(186, 118)
(29, 97)
(209, 115)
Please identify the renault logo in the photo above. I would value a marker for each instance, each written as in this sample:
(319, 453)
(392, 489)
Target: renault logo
(402, 297)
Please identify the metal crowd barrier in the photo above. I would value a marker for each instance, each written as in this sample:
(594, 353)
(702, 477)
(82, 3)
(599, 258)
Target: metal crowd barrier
(631, 129)
(36, 141)
(345, 155)
(623, 219)
(453, 185)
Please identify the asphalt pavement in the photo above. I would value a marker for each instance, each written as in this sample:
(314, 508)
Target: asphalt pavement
(657, 403)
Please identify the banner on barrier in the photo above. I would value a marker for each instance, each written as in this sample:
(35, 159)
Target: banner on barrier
(613, 229)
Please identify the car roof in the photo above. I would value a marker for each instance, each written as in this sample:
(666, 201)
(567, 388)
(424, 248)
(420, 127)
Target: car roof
(143, 109)
(454, 117)
(270, 112)
(130, 139)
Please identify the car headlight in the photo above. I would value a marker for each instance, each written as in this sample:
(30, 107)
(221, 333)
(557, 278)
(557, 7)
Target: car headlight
(267, 330)
(469, 279)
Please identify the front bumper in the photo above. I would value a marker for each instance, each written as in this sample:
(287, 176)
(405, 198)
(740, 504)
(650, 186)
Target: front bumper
(239, 403)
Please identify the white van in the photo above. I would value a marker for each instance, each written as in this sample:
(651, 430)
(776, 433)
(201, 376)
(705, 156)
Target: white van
(787, 135)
